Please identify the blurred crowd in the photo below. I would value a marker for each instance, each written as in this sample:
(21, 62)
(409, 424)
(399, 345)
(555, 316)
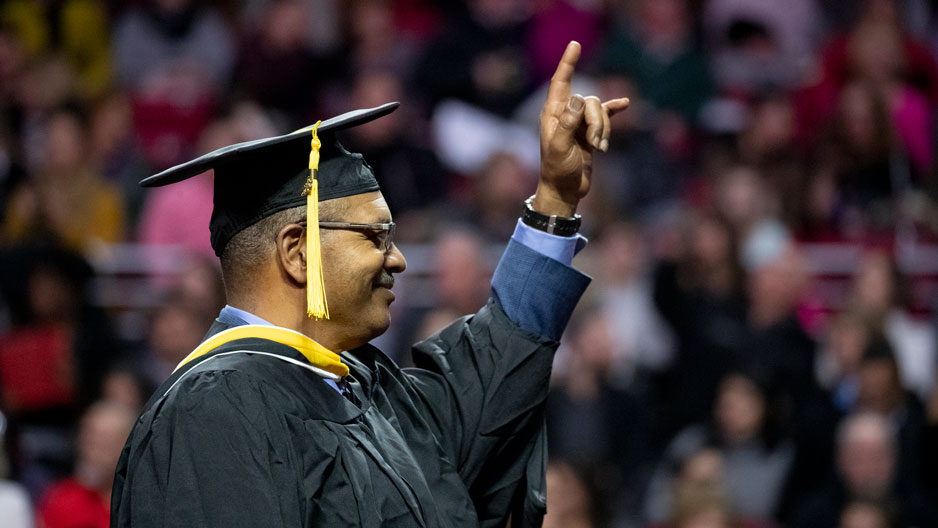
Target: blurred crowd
(758, 347)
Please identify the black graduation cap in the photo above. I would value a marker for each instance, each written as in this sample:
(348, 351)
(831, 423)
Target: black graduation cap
(256, 179)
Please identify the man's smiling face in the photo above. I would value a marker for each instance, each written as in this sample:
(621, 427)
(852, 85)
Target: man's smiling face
(357, 272)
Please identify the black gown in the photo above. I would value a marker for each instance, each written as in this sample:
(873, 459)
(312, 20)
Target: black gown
(246, 439)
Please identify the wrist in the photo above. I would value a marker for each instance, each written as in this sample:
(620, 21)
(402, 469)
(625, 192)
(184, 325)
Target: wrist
(549, 202)
(563, 226)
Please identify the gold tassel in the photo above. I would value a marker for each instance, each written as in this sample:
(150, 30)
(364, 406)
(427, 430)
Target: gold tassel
(315, 286)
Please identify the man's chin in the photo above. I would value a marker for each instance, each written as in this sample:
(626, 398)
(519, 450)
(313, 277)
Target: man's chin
(382, 323)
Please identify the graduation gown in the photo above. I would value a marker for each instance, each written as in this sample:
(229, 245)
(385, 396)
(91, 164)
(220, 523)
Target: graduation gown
(245, 436)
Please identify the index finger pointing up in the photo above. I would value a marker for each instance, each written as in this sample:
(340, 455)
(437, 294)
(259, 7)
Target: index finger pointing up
(559, 91)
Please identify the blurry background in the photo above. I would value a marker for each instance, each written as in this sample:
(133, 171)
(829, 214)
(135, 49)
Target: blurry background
(758, 347)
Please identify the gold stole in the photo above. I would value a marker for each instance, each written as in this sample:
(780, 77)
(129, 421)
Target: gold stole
(317, 355)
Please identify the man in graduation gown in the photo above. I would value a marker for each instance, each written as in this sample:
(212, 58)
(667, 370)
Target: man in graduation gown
(265, 425)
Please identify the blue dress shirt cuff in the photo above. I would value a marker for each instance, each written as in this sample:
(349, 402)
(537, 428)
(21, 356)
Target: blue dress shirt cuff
(559, 248)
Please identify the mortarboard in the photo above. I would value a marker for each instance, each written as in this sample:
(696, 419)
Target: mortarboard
(259, 178)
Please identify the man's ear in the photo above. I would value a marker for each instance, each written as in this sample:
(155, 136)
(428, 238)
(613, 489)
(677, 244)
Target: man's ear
(291, 252)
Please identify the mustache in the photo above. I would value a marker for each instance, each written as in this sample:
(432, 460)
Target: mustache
(385, 280)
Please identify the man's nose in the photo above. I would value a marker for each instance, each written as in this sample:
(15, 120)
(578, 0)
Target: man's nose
(394, 261)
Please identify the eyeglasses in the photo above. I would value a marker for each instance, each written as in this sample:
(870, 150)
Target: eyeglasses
(383, 233)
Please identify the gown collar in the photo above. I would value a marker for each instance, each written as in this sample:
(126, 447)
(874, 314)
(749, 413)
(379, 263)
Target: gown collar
(317, 355)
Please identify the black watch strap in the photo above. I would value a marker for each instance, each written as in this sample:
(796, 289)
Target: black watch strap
(553, 224)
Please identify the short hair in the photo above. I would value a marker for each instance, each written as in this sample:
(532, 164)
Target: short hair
(693, 499)
(861, 422)
(249, 249)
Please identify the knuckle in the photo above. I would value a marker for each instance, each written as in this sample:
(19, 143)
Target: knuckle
(569, 120)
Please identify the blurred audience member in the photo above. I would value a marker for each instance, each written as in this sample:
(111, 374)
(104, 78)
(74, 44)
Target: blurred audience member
(819, 217)
(767, 148)
(175, 58)
(53, 359)
(700, 506)
(866, 514)
(124, 386)
(878, 51)
(779, 349)
(193, 299)
(838, 365)
(178, 215)
(395, 147)
(15, 507)
(462, 271)
(159, 41)
(698, 499)
(699, 293)
(48, 289)
(377, 41)
(65, 199)
(278, 67)
(879, 291)
(643, 341)
(634, 177)
(705, 506)
(743, 434)
(111, 139)
(75, 29)
(779, 345)
(177, 328)
(45, 86)
(744, 199)
(586, 417)
(497, 189)
(83, 500)
(881, 48)
(556, 22)
(179, 218)
(13, 64)
(881, 391)
(479, 57)
(114, 152)
(569, 502)
(761, 45)
(861, 152)
(866, 464)
(655, 45)
(200, 282)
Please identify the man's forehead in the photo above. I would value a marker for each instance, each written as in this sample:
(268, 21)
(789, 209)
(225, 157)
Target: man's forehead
(367, 207)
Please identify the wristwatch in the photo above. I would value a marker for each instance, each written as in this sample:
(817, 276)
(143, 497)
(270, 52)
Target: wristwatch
(553, 224)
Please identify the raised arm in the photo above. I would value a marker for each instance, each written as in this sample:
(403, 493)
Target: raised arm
(484, 379)
(540, 295)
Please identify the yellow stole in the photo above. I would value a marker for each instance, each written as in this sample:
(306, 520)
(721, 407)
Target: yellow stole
(317, 355)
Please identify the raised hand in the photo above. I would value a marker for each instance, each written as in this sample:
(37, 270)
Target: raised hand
(571, 128)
